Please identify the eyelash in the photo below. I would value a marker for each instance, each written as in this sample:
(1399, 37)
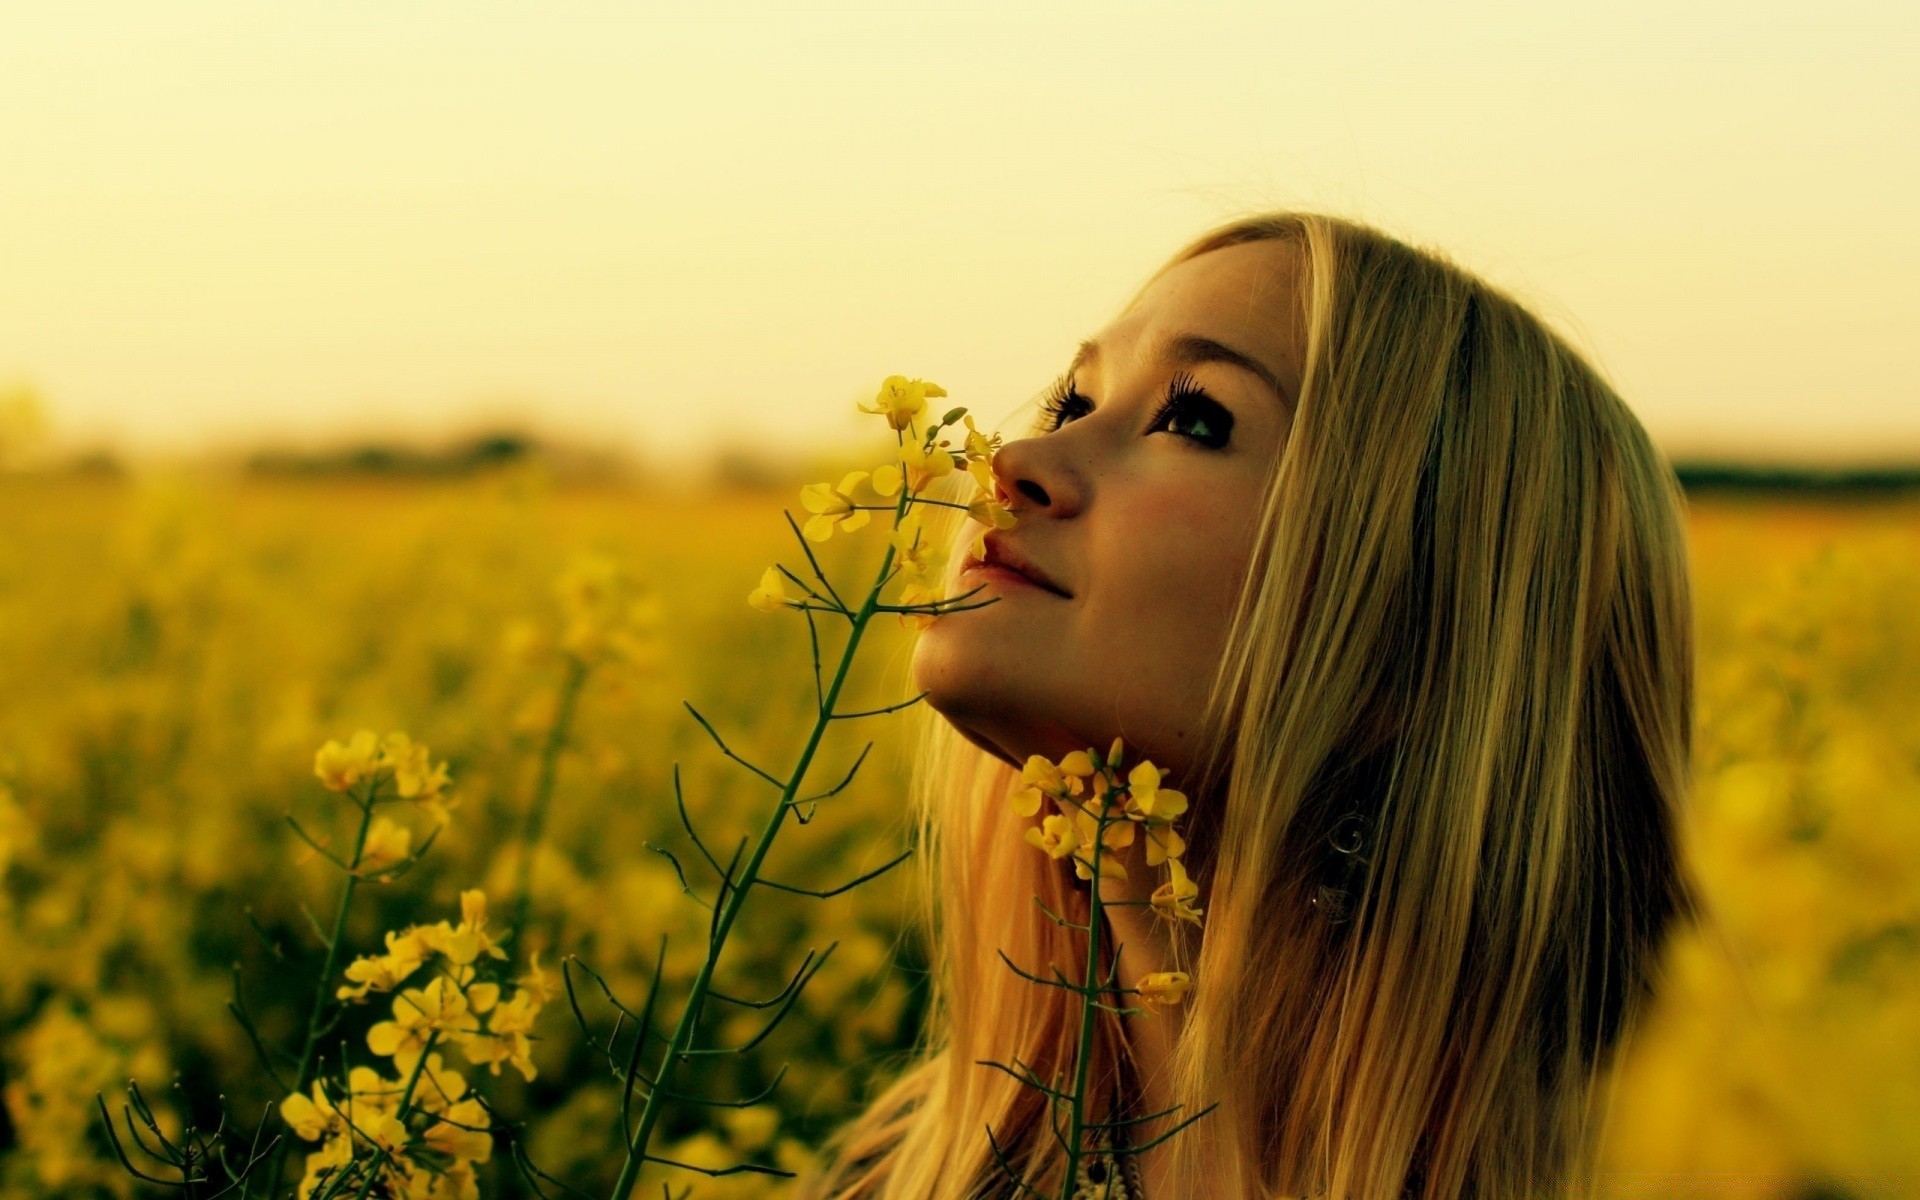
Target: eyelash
(1181, 389)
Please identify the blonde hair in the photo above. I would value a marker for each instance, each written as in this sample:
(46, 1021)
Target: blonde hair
(1468, 619)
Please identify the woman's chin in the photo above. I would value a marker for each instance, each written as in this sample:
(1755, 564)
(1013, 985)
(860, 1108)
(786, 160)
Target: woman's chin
(960, 682)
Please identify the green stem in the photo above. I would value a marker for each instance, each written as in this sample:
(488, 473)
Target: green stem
(684, 1030)
(311, 1043)
(543, 795)
(1089, 1002)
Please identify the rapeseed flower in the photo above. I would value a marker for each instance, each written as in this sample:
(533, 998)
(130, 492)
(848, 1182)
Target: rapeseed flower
(901, 399)
(980, 447)
(418, 1015)
(406, 953)
(771, 595)
(464, 943)
(1147, 800)
(925, 464)
(341, 766)
(387, 844)
(987, 510)
(315, 1119)
(1165, 987)
(1173, 899)
(506, 1037)
(834, 506)
(1056, 835)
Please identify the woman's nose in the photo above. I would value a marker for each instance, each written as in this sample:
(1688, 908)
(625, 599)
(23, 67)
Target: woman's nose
(1032, 476)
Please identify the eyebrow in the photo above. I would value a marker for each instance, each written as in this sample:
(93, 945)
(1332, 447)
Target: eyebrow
(1188, 350)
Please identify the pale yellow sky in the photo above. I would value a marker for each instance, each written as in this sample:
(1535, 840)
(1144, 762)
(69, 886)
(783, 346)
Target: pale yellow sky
(223, 221)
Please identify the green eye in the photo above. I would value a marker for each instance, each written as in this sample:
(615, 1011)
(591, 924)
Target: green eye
(1209, 424)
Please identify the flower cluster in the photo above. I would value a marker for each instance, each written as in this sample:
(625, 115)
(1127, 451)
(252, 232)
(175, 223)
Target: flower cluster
(1082, 802)
(426, 1145)
(430, 1129)
(609, 615)
(398, 763)
(921, 460)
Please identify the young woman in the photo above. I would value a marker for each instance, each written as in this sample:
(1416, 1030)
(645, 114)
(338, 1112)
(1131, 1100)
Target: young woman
(1394, 587)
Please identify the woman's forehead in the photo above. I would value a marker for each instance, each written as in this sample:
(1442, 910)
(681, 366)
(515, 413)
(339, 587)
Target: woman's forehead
(1240, 296)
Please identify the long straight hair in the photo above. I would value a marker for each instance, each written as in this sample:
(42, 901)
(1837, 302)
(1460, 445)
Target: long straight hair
(1466, 623)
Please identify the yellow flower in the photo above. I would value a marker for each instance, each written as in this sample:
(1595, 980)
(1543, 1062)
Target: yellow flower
(1043, 779)
(1110, 865)
(1119, 834)
(771, 595)
(418, 1014)
(505, 1039)
(833, 506)
(468, 941)
(536, 982)
(416, 777)
(1165, 987)
(1056, 835)
(406, 952)
(1147, 800)
(373, 1092)
(925, 465)
(1078, 763)
(1163, 844)
(387, 844)
(989, 511)
(335, 1154)
(901, 399)
(919, 555)
(886, 479)
(1172, 899)
(340, 767)
(461, 1133)
(980, 447)
(440, 1086)
(312, 1120)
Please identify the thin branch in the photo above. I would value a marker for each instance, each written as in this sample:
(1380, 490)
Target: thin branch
(813, 640)
(847, 886)
(679, 874)
(1140, 1120)
(1057, 918)
(837, 788)
(717, 1172)
(726, 883)
(273, 945)
(1030, 1079)
(717, 994)
(812, 561)
(726, 750)
(686, 820)
(319, 849)
(238, 1007)
(1151, 1143)
(1059, 980)
(808, 589)
(748, 1102)
(1013, 1173)
(786, 1006)
(875, 712)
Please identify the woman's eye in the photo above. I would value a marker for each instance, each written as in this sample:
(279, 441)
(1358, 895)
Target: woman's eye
(1193, 414)
(1063, 403)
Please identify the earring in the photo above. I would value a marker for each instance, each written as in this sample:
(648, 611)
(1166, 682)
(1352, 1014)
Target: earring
(1348, 839)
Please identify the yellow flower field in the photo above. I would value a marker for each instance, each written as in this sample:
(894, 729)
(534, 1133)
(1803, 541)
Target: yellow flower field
(173, 653)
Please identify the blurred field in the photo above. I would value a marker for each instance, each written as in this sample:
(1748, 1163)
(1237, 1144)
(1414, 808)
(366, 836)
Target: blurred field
(173, 652)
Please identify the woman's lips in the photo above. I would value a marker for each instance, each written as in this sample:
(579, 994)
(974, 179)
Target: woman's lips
(1004, 562)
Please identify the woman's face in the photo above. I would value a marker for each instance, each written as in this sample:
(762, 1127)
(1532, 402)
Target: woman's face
(1142, 515)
